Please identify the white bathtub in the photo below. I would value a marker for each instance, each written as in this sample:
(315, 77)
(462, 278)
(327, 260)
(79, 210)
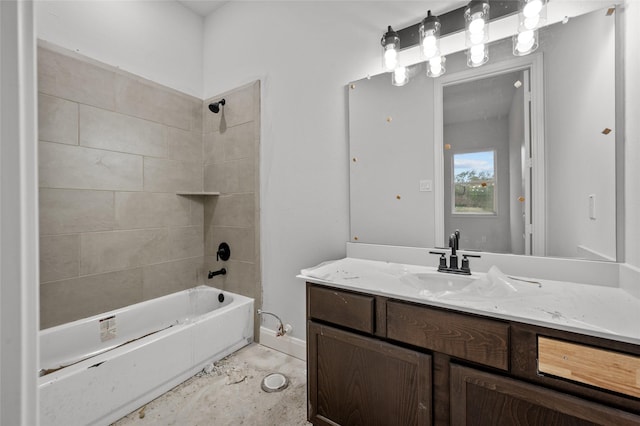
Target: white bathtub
(118, 361)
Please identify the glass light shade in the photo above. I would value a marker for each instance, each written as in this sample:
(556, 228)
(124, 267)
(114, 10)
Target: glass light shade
(477, 55)
(476, 18)
(430, 36)
(525, 42)
(533, 14)
(435, 66)
(390, 49)
(399, 76)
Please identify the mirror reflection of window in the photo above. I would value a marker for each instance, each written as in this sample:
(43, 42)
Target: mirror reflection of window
(474, 183)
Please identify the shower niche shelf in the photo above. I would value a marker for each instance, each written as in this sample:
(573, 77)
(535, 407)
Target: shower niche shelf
(199, 193)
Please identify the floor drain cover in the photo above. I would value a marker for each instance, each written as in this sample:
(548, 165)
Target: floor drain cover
(274, 382)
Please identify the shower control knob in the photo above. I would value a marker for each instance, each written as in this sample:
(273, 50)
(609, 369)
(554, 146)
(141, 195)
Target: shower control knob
(224, 252)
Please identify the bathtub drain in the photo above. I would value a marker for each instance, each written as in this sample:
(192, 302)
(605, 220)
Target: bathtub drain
(274, 382)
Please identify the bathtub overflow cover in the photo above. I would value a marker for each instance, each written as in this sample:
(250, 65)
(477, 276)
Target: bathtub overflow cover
(275, 382)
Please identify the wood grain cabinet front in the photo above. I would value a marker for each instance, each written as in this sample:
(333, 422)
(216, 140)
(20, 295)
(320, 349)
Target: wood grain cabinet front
(486, 399)
(466, 337)
(372, 360)
(357, 380)
(343, 308)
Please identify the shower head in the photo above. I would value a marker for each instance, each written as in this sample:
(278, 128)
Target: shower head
(215, 106)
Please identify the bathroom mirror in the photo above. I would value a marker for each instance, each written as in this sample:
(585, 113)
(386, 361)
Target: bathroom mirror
(410, 144)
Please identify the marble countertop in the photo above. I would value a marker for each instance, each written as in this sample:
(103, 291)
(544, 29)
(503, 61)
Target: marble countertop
(601, 311)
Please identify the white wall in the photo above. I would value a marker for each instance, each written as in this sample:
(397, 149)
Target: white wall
(158, 40)
(304, 53)
(18, 216)
(632, 133)
(580, 160)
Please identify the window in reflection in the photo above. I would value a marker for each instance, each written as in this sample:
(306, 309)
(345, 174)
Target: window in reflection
(474, 183)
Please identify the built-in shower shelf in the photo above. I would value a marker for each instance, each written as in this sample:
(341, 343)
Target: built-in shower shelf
(199, 193)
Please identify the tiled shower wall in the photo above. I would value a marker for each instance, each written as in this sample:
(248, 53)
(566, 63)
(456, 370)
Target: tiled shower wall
(231, 165)
(114, 151)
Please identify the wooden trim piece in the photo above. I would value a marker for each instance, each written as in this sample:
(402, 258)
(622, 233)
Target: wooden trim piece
(602, 368)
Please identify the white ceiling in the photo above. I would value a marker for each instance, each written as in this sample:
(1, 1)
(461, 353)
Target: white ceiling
(203, 7)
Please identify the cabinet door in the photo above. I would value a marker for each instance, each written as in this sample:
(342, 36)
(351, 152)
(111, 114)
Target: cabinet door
(479, 398)
(356, 380)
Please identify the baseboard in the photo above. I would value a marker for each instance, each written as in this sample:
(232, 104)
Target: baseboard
(286, 344)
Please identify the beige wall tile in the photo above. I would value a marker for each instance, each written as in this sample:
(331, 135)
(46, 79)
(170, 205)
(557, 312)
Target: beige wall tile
(184, 145)
(104, 129)
(235, 143)
(74, 210)
(172, 176)
(151, 210)
(115, 250)
(59, 257)
(186, 241)
(240, 107)
(142, 99)
(65, 166)
(230, 177)
(197, 210)
(170, 277)
(73, 299)
(79, 81)
(232, 210)
(57, 120)
(240, 240)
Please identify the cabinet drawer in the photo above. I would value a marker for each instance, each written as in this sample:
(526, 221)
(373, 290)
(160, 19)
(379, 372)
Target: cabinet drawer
(343, 308)
(474, 339)
(602, 368)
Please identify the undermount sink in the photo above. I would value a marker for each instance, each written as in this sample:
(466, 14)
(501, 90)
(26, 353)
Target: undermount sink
(437, 282)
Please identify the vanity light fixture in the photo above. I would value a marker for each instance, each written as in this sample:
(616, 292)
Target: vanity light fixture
(390, 49)
(476, 18)
(532, 15)
(477, 55)
(435, 66)
(400, 76)
(430, 36)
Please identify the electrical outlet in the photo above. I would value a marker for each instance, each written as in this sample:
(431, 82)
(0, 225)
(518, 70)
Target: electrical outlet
(426, 186)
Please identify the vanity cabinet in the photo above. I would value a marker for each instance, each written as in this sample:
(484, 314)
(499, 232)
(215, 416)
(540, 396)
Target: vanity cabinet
(375, 360)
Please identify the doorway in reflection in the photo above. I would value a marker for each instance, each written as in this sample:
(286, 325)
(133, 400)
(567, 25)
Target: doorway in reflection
(486, 141)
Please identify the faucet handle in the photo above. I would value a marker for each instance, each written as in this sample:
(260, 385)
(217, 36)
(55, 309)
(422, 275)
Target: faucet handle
(443, 260)
(465, 262)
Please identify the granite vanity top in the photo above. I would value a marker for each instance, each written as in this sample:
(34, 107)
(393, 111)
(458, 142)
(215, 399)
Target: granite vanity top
(601, 311)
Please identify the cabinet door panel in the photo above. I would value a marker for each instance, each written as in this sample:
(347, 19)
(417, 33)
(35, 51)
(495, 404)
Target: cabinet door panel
(479, 398)
(355, 380)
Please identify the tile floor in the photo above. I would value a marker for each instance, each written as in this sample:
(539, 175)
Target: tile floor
(231, 395)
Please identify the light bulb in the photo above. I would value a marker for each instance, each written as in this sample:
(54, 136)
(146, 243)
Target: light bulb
(532, 8)
(477, 38)
(400, 77)
(477, 55)
(525, 43)
(530, 23)
(435, 66)
(429, 46)
(476, 25)
(390, 57)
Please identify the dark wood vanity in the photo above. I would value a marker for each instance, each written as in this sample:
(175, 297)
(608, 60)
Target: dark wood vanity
(374, 360)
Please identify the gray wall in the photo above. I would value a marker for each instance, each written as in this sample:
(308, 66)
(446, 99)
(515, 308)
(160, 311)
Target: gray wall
(114, 150)
(488, 233)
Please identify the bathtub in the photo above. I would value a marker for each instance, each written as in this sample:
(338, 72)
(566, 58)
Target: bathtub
(98, 369)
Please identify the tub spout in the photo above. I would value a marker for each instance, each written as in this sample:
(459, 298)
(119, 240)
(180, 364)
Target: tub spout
(220, 272)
